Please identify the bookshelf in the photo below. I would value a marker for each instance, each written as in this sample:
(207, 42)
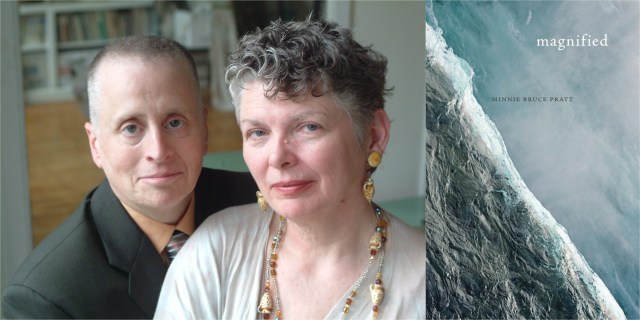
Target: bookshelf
(59, 39)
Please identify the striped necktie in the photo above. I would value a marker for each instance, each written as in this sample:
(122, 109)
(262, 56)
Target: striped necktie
(175, 244)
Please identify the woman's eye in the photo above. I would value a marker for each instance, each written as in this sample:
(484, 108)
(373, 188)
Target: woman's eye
(175, 123)
(131, 129)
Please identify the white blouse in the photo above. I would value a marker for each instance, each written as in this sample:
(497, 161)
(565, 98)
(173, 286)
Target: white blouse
(219, 272)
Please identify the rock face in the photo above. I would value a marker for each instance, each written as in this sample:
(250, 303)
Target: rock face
(493, 251)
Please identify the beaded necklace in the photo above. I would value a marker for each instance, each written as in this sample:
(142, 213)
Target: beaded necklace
(376, 245)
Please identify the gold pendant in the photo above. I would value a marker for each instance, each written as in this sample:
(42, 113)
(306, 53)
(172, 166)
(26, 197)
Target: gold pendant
(377, 293)
(376, 241)
(265, 304)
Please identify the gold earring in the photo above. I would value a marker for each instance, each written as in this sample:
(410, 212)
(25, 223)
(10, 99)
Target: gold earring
(262, 202)
(374, 159)
(368, 189)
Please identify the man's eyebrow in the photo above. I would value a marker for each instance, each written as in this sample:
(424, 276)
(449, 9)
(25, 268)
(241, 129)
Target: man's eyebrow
(124, 116)
(252, 122)
(133, 114)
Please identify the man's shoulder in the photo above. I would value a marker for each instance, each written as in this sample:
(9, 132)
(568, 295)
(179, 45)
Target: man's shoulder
(59, 264)
(232, 179)
(69, 274)
(76, 238)
(219, 189)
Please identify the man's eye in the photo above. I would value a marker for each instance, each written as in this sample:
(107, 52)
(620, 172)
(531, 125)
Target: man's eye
(311, 127)
(257, 133)
(131, 129)
(175, 123)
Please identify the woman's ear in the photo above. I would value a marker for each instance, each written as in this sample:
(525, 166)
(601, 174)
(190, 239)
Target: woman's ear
(379, 131)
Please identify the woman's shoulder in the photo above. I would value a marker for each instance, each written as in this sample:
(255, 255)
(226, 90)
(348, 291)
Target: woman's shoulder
(406, 233)
(406, 244)
(234, 216)
(232, 222)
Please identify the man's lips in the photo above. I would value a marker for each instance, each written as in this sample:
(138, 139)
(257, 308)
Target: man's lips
(160, 177)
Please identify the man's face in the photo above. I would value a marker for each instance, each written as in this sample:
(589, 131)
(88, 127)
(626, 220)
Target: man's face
(150, 134)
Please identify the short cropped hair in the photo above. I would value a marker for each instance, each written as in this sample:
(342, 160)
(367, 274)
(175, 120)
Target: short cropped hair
(316, 57)
(144, 46)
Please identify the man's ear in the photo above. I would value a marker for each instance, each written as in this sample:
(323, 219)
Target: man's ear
(205, 147)
(379, 131)
(93, 141)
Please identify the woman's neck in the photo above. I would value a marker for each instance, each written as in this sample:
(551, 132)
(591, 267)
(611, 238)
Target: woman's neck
(320, 261)
(338, 232)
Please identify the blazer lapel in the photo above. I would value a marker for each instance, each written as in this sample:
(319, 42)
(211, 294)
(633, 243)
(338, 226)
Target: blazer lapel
(128, 249)
(146, 276)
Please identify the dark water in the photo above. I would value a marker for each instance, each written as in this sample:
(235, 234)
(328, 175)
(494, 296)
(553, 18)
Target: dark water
(493, 250)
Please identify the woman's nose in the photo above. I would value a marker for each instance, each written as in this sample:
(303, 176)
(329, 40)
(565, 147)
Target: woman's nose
(282, 153)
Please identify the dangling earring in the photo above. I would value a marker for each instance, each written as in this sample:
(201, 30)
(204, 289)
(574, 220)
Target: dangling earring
(368, 189)
(262, 202)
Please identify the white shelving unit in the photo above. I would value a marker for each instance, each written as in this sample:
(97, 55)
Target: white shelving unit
(41, 52)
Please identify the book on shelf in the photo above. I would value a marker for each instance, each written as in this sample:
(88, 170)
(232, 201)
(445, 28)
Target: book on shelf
(111, 24)
(102, 25)
(78, 29)
(32, 27)
(91, 26)
(141, 19)
(34, 70)
(63, 28)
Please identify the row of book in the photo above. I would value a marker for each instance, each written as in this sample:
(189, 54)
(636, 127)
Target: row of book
(103, 25)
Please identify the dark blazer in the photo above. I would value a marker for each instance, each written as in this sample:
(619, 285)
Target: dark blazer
(99, 263)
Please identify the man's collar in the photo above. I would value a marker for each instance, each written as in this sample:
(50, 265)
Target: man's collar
(159, 233)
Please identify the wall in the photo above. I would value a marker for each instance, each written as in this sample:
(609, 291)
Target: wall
(396, 29)
(15, 220)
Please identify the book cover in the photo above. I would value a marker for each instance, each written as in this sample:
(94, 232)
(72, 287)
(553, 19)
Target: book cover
(533, 159)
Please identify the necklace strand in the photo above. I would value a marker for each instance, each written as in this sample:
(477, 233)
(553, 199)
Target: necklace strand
(376, 245)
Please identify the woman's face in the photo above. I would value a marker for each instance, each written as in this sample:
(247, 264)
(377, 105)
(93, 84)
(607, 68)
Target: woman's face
(303, 154)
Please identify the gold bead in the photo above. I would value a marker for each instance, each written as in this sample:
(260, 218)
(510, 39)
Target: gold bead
(345, 309)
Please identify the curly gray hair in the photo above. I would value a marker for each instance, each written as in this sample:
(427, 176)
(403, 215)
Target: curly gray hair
(317, 57)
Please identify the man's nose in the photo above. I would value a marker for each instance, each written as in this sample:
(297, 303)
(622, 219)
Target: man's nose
(158, 146)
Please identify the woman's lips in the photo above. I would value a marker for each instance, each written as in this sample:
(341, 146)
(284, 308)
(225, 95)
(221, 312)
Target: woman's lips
(290, 188)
